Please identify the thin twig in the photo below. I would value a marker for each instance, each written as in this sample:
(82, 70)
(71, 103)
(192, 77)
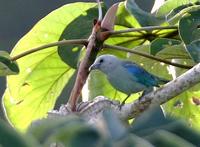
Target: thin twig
(58, 43)
(149, 28)
(146, 55)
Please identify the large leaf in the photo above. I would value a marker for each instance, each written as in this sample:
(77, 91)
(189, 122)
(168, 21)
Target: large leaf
(70, 54)
(7, 67)
(162, 130)
(66, 131)
(169, 5)
(144, 18)
(10, 138)
(190, 33)
(43, 74)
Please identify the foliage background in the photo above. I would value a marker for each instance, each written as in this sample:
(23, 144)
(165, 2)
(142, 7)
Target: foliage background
(15, 23)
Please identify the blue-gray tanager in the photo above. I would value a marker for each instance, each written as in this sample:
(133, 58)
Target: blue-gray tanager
(126, 76)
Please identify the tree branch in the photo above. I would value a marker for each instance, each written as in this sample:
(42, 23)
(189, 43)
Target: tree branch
(149, 28)
(58, 43)
(90, 56)
(146, 55)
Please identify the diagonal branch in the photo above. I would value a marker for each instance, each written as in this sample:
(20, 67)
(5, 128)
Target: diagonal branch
(146, 55)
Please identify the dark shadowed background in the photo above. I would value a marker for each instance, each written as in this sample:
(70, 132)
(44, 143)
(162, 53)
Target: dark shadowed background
(17, 17)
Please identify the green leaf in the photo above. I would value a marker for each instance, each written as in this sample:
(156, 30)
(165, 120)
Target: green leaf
(10, 138)
(185, 106)
(169, 5)
(7, 67)
(115, 127)
(70, 54)
(194, 50)
(66, 131)
(175, 52)
(164, 138)
(190, 33)
(155, 118)
(188, 27)
(179, 12)
(144, 18)
(32, 93)
(160, 43)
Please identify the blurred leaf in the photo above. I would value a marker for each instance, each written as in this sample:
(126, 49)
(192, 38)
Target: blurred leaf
(32, 93)
(160, 43)
(10, 138)
(68, 131)
(155, 118)
(7, 67)
(162, 130)
(169, 5)
(144, 18)
(190, 33)
(182, 130)
(115, 128)
(132, 141)
(164, 138)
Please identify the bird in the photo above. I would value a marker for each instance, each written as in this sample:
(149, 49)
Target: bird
(126, 76)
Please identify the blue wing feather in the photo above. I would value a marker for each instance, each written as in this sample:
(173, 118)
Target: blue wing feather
(141, 75)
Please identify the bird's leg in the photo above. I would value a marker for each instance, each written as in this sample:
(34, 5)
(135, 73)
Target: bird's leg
(123, 102)
(146, 91)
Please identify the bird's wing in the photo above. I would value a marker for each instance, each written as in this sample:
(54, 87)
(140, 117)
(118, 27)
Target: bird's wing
(140, 74)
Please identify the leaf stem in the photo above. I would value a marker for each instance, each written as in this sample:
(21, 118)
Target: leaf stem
(146, 55)
(58, 43)
(149, 28)
(100, 10)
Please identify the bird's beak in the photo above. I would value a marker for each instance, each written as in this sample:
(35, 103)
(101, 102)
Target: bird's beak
(94, 66)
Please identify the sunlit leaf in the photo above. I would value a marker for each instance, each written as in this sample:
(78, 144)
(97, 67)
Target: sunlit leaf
(185, 106)
(32, 93)
(7, 67)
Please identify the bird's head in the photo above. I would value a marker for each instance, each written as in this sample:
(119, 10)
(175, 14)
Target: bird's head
(105, 63)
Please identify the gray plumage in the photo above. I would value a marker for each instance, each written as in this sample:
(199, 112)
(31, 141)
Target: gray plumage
(126, 76)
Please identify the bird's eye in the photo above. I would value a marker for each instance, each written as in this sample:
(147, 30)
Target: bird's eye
(101, 61)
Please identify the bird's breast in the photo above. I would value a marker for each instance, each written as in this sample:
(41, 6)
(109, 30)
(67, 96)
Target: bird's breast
(125, 82)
